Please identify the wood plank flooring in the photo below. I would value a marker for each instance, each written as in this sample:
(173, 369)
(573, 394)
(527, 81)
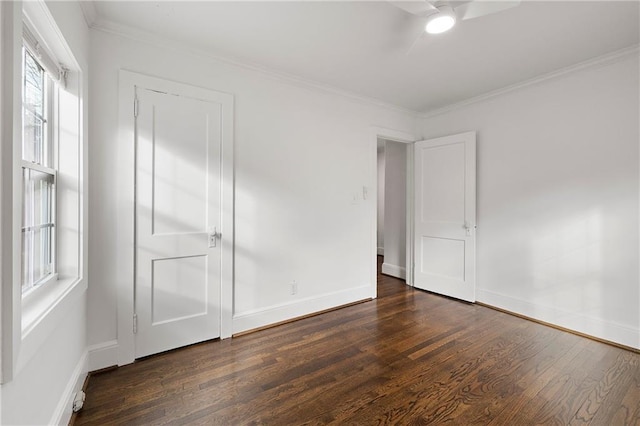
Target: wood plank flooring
(406, 358)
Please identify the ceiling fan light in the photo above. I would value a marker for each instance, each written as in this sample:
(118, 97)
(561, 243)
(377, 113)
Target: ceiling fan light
(441, 21)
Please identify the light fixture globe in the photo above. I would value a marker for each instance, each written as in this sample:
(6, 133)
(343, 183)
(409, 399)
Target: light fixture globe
(441, 21)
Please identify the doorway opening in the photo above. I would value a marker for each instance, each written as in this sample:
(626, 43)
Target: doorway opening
(392, 207)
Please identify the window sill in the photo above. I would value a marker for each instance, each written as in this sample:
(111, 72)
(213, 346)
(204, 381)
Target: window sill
(34, 291)
(39, 303)
(42, 313)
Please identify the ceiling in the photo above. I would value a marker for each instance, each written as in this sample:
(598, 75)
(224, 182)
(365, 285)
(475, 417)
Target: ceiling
(361, 47)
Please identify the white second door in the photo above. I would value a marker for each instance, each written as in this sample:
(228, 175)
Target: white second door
(178, 193)
(445, 215)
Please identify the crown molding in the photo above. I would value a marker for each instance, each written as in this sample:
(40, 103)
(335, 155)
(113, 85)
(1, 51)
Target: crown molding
(110, 27)
(598, 61)
(89, 12)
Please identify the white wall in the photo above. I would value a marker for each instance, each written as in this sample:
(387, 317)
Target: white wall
(558, 187)
(41, 392)
(50, 358)
(4, 270)
(380, 227)
(395, 202)
(301, 156)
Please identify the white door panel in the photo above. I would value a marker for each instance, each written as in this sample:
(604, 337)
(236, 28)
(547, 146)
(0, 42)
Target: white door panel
(444, 202)
(178, 184)
(442, 179)
(442, 257)
(179, 289)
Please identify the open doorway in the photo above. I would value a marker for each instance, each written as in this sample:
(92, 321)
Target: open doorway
(392, 207)
(383, 135)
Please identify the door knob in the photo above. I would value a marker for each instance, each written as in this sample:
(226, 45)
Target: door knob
(213, 237)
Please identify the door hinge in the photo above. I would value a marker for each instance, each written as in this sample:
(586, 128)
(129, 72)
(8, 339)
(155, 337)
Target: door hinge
(135, 323)
(135, 107)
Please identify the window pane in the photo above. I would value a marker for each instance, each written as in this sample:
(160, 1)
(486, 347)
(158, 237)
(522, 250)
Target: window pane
(33, 84)
(37, 227)
(36, 256)
(34, 137)
(38, 193)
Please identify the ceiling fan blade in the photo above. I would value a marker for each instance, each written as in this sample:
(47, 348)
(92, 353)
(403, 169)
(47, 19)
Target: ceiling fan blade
(478, 8)
(415, 42)
(415, 7)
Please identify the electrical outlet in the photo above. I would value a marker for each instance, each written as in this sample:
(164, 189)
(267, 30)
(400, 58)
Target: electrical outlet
(294, 288)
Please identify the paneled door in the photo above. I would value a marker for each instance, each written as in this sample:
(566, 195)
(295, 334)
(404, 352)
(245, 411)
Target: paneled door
(445, 215)
(178, 220)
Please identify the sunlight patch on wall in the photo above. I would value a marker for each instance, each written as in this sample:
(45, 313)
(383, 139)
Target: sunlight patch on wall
(567, 262)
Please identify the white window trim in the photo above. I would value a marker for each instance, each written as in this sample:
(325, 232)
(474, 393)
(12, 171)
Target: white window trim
(41, 53)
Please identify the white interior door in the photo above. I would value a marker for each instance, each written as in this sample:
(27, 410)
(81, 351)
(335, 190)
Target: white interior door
(445, 215)
(178, 211)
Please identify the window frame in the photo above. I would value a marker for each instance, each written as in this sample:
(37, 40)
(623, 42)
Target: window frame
(49, 167)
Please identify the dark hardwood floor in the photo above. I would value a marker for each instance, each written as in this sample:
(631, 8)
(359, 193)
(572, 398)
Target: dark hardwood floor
(406, 358)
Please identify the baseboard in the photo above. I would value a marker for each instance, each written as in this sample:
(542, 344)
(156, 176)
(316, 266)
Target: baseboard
(103, 355)
(64, 410)
(394, 270)
(278, 313)
(380, 251)
(580, 323)
(288, 321)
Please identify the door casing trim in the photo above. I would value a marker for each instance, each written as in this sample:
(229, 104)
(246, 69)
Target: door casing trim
(125, 213)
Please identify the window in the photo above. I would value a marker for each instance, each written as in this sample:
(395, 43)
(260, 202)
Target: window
(38, 175)
(46, 172)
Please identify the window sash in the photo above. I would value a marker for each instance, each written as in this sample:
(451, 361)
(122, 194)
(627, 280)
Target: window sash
(38, 228)
(39, 176)
(37, 106)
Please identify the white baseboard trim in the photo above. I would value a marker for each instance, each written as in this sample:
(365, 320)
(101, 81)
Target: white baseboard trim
(277, 313)
(62, 414)
(394, 270)
(581, 323)
(103, 355)
(380, 251)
